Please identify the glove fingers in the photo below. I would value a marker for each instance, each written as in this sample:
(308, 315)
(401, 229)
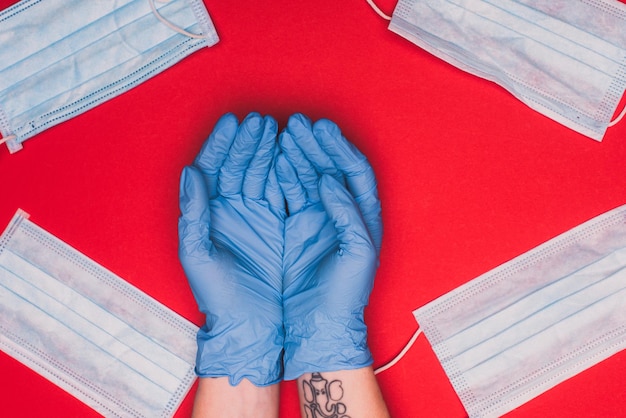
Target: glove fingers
(195, 218)
(232, 172)
(293, 190)
(306, 173)
(215, 149)
(273, 192)
(352, 233)
(257, 173)
(299, 127)
(359, 174)
(370, 208)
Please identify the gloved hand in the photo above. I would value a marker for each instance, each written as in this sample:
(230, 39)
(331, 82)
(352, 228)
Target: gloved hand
(331, 247)
(230, 246)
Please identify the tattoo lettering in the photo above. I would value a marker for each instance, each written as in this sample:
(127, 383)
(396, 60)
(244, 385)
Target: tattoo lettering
(323, 398)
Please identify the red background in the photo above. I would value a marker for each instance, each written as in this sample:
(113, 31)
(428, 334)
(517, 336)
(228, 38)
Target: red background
(469, 178)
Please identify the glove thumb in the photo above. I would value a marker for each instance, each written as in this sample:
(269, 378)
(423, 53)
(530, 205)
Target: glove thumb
(344, 212)
(194, 221)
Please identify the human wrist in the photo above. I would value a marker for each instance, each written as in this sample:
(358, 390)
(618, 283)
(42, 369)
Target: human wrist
(353, 393)
(217, 397)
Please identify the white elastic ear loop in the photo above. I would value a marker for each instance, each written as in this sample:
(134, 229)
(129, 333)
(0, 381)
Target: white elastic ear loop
(7, 139)
(401, 354)
(618, 118)
(170, 24)
(377, 10)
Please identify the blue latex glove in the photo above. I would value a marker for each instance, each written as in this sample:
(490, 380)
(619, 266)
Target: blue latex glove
(331, 247)
(230, 246)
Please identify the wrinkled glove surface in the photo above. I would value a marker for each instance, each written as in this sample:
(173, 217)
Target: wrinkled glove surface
(231, 248)
(332, 240)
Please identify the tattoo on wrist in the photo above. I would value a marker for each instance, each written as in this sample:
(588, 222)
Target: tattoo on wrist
(322, 398)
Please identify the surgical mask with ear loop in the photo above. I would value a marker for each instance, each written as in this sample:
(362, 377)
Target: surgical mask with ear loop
(88, 331)
(516, 331)
(563, 58)
(59, 59)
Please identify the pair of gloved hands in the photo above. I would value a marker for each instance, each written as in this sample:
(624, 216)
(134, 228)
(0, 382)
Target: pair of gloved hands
(279, 240)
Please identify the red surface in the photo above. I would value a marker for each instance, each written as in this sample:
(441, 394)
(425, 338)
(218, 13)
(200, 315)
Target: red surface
(469, 178)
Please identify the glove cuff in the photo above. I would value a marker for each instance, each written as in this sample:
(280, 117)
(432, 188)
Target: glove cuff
(238, 352)
(322, 342)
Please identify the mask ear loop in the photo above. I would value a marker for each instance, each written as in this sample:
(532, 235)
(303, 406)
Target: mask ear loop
(170, 24)
(7, 139)
(618, 118)
(377, 10)
(401, 354)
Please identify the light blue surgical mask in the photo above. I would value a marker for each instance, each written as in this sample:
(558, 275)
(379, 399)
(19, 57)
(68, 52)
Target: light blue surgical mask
(88, 331)
(564, 58)
(522, 328)
(518, 330)
(61, 58)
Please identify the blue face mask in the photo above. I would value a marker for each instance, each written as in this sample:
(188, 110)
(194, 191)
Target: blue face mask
(522, 328)
(61, 58)
(88, 331)
(564, 58)
(518, 330)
